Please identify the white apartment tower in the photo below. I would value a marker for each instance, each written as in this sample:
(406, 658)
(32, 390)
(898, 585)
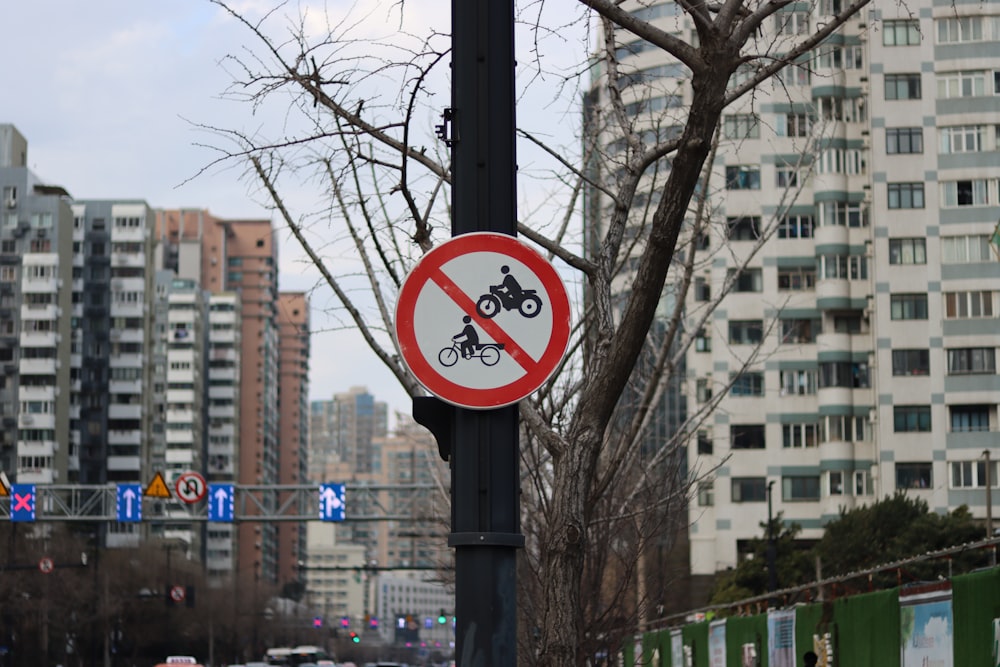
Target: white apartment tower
(856, 199)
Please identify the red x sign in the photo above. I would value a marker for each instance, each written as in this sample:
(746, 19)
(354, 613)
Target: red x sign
(22, 505)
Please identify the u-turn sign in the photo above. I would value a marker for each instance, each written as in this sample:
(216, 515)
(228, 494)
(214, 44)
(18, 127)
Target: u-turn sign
(482, 320)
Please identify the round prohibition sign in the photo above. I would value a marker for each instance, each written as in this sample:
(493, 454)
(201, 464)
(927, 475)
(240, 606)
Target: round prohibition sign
(177, 593)
(190, 487)
(45, 565)
(482, 320)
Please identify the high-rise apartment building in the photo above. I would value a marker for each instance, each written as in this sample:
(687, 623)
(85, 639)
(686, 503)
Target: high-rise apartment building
(240, 256)
(293, 393)
(36, 290)
(856, 199)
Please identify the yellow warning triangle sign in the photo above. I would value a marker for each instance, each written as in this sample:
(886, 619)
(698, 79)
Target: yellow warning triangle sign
(4, 485)
(157, 488)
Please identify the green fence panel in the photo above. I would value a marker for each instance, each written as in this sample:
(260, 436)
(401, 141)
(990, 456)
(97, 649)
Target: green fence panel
(628, 653)
(652, 655)
(975, 603)
(742, 630)
(696, 636)
(811, 619)
(868, 630)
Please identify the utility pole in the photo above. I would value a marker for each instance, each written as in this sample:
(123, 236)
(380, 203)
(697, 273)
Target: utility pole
(482, 445)
(989, 507)
(772, 572)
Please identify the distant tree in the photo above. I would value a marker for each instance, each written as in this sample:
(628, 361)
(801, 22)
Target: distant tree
(794, 564)
(896, 528)
(893, 529)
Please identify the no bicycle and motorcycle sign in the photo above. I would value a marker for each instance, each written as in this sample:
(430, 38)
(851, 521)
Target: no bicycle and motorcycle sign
(482, 320)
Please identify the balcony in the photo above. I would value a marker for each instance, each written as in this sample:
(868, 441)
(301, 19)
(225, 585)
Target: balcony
(37, 475)
(117, 411)
(37, 447)
(39, 339)
(38, 366)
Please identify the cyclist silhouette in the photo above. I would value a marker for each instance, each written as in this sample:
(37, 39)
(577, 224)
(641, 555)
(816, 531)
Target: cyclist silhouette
(467, 337)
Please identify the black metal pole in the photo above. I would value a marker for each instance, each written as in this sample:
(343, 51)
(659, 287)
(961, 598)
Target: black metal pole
(772, 573)
(484, 444)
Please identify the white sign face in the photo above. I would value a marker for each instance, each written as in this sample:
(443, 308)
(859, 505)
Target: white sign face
(482, 320)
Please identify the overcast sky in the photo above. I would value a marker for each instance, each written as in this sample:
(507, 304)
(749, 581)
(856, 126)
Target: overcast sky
(107, 93)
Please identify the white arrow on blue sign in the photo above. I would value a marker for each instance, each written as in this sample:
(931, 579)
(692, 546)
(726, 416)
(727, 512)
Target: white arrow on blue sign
(129, 503)
(331, 502)
(221, 502)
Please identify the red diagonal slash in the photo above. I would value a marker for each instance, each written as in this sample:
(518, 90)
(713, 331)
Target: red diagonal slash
(22, 502)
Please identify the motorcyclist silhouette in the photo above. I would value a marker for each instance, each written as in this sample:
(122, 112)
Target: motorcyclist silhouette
(468, 338)
(509, 289)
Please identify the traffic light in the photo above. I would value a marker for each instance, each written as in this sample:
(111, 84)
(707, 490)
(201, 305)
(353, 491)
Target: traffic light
(355, 638)
(442, 619)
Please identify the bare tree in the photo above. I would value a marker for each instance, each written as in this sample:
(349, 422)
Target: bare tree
(602, 470)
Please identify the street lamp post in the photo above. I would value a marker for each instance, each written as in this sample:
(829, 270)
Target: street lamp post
(989, 506)
(772, 574)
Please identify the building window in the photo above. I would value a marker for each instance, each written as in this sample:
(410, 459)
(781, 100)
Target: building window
(838, 57)
(968, 305)
(969, 418)
(911, 362)
(746, 332)
(797, 382)
(843, 267)
(961, 139)
(907, 251)
(705, 447)
(911, 418)
(852, 374)
(786, 177)
(702, 289)
(804, 487)
(842, 214)
(958, 29)
(972, 474)
(904, 140)
(793, 124)
(791, 23)
(835, 480)
(908, 306)
(706, 494)
(743, 177)
(796, 280)
(962, 84)
(970, 249)
(792, 75)
(795, 227)
(795, 331)
(901, 33)
(746, 436)
(746, 384)
(703, 390)
(972, 360)
(972, 192)
(902, 86)
(702, 341)
(741, 126)
(745, 228)
(749, 489)
(905, 195)
(747, 280)
(797, 436)
(913, 475)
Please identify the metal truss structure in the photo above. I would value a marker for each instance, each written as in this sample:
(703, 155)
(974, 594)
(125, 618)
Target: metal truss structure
(265, 503)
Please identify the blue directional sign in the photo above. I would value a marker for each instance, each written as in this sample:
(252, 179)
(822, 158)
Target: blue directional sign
(331, 502)
(221, 502)
(22, 502)
(128, 505)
